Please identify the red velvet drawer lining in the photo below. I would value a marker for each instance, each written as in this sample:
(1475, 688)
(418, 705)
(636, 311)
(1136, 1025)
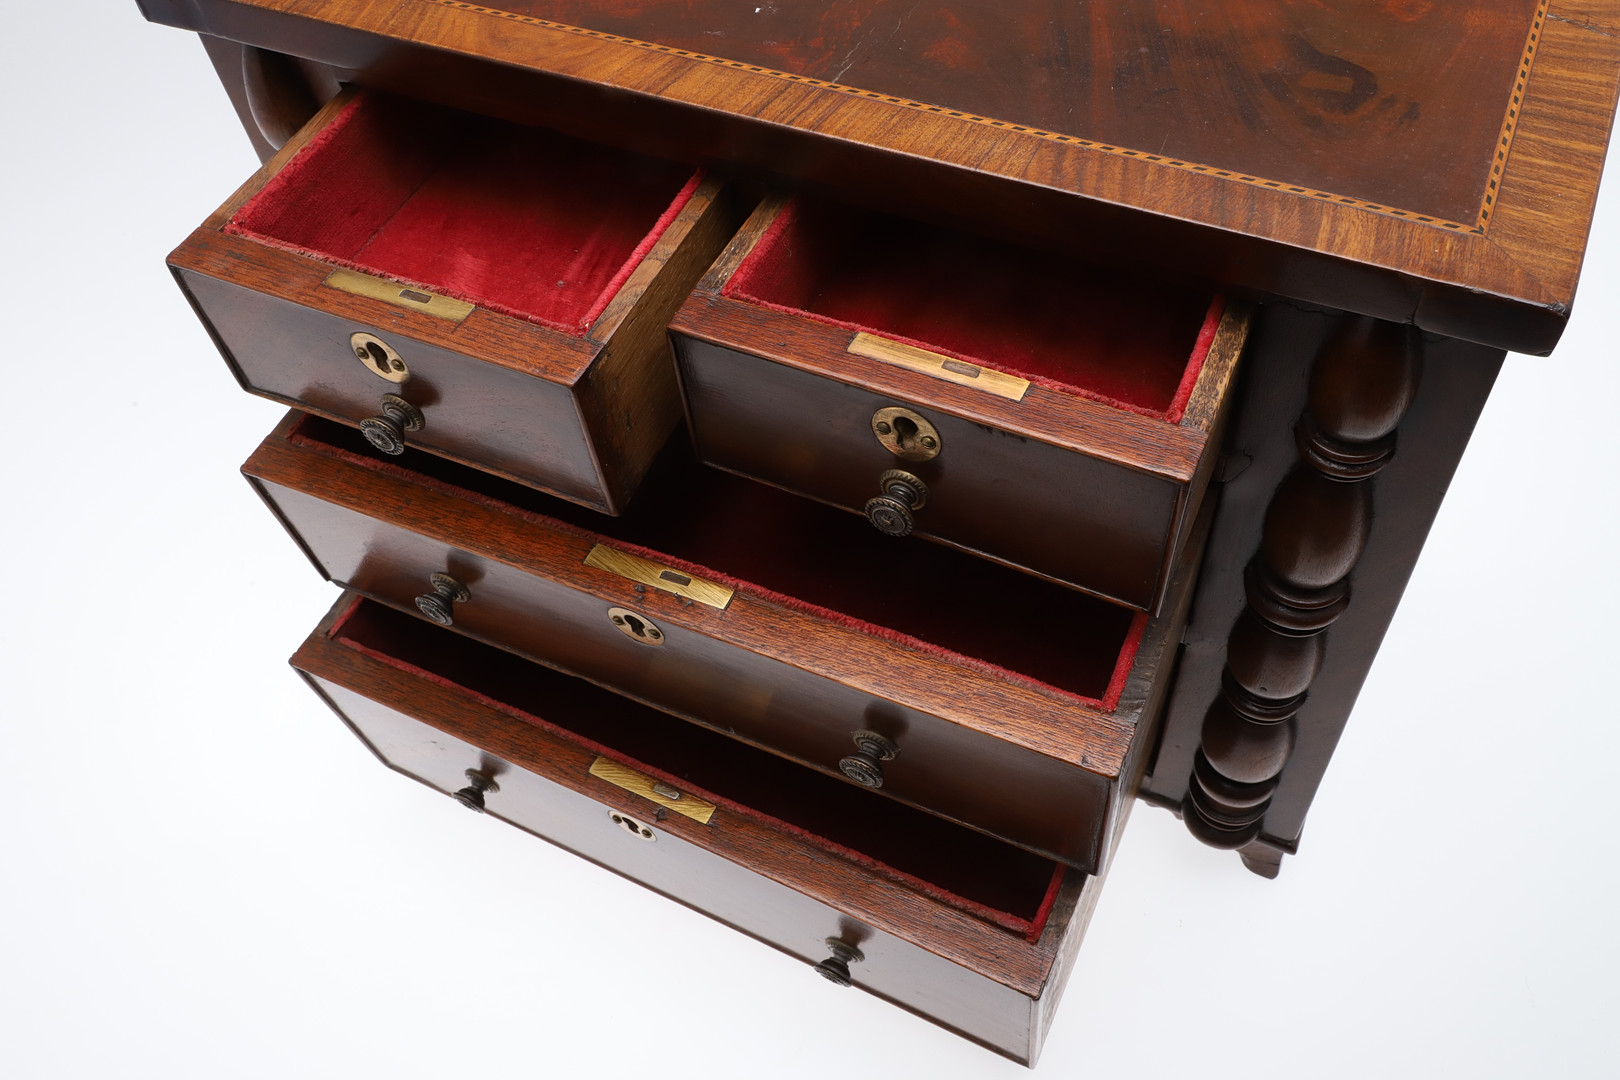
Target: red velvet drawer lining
(518, 220)
(1133, 344)
(992, 880)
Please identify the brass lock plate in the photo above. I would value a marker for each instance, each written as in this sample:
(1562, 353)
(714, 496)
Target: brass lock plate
(906, 434)
(646, 572)
(938, 366)
(652, 789)
(405, 296)
(379, 357)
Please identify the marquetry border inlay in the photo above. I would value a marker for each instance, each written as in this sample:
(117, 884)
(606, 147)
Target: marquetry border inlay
(1505, 143)
(1510, 122)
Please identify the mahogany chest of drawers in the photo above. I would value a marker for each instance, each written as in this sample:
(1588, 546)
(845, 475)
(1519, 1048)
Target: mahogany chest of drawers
(1109, 596)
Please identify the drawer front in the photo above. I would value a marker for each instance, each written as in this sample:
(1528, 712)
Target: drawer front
(297, 350)
(1015, 794)
(978, 980)
(409, 324)
(1065, 515)
(775, 677)
(813, 364)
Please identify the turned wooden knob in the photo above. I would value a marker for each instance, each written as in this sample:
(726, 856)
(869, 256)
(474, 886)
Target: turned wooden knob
(478, 785)
(438, 605)
(890, 512)
(387, 432)
(835, 969)
(865, 765)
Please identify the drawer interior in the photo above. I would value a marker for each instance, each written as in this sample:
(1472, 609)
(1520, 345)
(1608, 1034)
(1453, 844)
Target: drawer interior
(1095, 333)
(968, 870)
(814, 557)
(519, 220)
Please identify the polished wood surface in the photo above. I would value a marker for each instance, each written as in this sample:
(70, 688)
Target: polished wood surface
(1000, 494)
(990, 749)
(1331, 98)
(759, 876)
(783, 398)
(1503, 274)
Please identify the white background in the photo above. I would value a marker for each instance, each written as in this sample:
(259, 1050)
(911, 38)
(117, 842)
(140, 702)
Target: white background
(202, 874)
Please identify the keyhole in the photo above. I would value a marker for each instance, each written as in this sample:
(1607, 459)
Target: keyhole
(378, 358)
(905, 434)
(636, 627)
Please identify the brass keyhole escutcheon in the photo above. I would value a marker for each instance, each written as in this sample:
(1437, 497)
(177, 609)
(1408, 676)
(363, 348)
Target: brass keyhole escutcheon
(635, 627)
(906, 434)
(379, 357)
(631, 825)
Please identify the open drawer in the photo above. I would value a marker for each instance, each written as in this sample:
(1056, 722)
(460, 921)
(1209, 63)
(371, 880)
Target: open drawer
(1034, 410)
(1013, 706)
(493, 293)
(968, 932)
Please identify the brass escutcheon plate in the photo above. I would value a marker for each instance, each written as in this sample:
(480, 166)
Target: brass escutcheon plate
(379, 357)
(906, 434)
(635, 626)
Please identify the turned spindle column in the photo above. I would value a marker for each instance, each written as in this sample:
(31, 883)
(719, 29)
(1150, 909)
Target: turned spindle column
(1298, 582)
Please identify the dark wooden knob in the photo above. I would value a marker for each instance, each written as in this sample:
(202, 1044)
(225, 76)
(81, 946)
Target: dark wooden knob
(438, 605)
(890, 512)
(865, 765)
(387, 432)
(835, 969)
(478, 785)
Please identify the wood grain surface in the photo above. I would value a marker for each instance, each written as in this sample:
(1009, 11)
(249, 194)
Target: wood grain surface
(1330, 90)
(991, 749)
(762, 878)
(1334, 98)
(579, 417)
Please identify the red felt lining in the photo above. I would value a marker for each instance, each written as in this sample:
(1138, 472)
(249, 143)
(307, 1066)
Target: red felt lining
(518, 220)
(1106, 336)
(800, 554)
(967, 870)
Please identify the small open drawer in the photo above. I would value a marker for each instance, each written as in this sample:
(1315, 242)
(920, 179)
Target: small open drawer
(968, 932)
(1040, 412)
(493, 293)
(1000, 701)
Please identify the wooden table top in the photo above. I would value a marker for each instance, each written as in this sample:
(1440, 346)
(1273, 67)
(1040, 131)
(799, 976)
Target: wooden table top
(1394, 157)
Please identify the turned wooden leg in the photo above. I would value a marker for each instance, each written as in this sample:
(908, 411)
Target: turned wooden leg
(1297, 583)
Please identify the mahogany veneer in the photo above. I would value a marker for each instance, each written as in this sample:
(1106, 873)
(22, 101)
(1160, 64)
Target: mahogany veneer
(990, 965)
(567, 260)
(1402, 192)
(1392, 160)
(1016, 704)
(1090, 474)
